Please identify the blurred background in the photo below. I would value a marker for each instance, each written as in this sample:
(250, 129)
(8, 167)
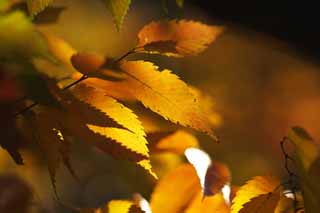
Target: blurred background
(262, 73)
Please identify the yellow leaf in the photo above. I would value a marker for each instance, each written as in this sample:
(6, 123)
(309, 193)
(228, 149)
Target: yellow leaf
(119, 206)
(175, 190)
(110, 106)
(127, 139)
(164, 93)
(177, 38)
(146, 164)
(118, 9)
(209, 204)
(259, 185)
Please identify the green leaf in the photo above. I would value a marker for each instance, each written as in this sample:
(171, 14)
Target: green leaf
(19, 38)
(36, 6)
(118, 9)
(308, 165)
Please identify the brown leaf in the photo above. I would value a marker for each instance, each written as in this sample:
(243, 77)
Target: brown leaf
(217, 176)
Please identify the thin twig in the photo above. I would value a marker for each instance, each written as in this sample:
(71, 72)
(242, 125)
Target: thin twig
(291, 174)
(84, 77)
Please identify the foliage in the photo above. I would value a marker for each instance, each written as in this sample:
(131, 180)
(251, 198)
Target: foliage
(97, 103)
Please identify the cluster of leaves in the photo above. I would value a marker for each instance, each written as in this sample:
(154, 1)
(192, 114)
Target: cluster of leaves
(54, 113)
(90, 104)
(204, 185)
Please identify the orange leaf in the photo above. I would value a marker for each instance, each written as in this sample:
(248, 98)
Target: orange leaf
(175, 190)
(177, 38)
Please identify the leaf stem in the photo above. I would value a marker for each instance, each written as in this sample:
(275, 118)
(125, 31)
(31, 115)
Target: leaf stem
(84, 77)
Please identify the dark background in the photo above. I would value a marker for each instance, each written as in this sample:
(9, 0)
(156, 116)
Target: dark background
(296, 22)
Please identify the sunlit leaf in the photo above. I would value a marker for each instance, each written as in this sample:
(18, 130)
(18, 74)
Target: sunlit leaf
(146, 164)
(176, 142)
(111, 107)
(164, 93)
(176, 38)
(36, 6)
(260, 185)
(118, 9)
(127, 139)
(209, 204)
(175, 190)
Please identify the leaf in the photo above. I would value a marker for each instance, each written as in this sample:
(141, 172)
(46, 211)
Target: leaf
(176, 38)
(19, 38)
(259, 185)
(164, 93)
(48, 140)
(36, 6)
(177, 142)
(127, 139)
(118, 9)
(308, 164)
(217, 176)
(146, 164)
(175, 190)
(210, 204)
(265, 203)
(110, 106)
(119, 206)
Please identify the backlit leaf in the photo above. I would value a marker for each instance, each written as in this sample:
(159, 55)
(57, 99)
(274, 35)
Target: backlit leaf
(260, 185)
(164, 93)
(36, 6)
(175, 190)
(209, 204)
(176, 142)
(176, 38)
(126, 138)
(118, 9)
(110, 106)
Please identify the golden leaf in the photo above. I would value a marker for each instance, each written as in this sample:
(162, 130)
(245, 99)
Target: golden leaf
(177, 38)
(259, 185)
(175, 190)
(177, 142)
(164, 93)
(146, 164)
(210, 204)
(110, 106)
(124, 137)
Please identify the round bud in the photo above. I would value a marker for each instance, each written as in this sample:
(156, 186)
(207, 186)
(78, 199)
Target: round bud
(87, 63)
